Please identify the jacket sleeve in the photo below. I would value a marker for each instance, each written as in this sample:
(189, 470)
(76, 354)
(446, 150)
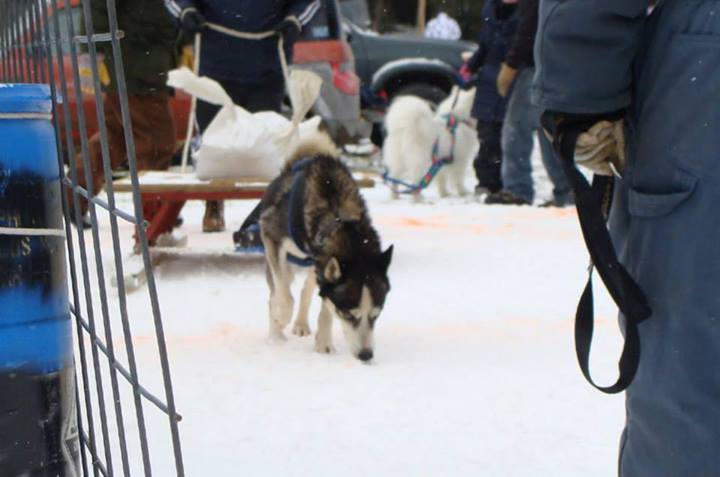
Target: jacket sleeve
(584, 54)
(176, 7)
(302, 11)
(520, 53)
(477, 59)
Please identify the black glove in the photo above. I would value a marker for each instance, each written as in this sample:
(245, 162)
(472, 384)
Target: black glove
(289, 29)
(192, 21)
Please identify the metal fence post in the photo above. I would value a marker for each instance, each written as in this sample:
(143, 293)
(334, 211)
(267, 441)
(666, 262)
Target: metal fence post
(38, 419)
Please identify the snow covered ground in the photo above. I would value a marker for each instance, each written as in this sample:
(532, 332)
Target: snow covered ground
(475, 371)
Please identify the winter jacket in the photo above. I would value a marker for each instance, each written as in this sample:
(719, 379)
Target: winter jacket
(520, 54)
(499, 24)
(247, 62)
(149, 47)
(599, 56)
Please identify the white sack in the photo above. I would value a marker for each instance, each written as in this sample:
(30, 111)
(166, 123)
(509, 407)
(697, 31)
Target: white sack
(239, 143)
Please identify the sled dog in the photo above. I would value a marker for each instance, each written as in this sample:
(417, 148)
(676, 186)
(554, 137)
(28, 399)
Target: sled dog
(313, 214)
(413, 130)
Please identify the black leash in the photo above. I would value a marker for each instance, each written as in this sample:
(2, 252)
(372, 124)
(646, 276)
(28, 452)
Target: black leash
(591, 202)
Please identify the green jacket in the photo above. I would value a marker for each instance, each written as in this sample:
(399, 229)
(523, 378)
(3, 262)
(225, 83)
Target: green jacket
(149, 46)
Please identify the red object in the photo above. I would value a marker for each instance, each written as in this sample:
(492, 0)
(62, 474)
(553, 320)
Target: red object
(162, 209)
(345, 81)
(465, 73)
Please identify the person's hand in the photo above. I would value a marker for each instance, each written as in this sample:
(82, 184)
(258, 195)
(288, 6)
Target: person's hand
(505, 79)
(191, 20)
(289, 28)
(601, 149)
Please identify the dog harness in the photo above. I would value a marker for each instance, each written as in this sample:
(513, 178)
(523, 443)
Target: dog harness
(296, 216)
(452, 124)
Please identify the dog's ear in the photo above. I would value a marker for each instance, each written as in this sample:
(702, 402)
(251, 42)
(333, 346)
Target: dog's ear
(332, 272)
(385, 258)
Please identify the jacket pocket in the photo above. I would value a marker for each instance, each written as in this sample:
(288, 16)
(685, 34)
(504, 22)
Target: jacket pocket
(661, 201)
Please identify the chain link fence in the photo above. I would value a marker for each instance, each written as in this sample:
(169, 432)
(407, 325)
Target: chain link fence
(54, 42)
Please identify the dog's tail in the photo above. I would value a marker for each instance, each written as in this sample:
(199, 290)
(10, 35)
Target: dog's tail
(313, 143)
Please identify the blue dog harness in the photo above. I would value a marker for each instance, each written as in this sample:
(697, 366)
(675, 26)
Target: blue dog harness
(296, 216)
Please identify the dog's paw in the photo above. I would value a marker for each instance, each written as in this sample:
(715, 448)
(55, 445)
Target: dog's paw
(301, 329)
(276, 336)
(324, 348)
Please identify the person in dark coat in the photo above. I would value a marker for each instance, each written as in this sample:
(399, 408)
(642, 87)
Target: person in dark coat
(599, 60)
(149, 51)
(498, 28)
(522, 121)
(249, 70)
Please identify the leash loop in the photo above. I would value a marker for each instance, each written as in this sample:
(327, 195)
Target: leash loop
(592, 203)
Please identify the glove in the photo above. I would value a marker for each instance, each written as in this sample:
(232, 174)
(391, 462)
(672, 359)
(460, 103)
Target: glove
(289, 28)
(505, 79)
(191, 20)
(600, 148)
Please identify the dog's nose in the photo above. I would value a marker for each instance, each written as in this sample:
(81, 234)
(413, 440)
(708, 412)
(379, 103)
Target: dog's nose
(365, 354)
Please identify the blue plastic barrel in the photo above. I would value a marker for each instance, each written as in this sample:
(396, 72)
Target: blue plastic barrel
(38, 423)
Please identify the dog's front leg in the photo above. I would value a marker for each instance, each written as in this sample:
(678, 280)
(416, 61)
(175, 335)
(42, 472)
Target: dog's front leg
(323, 338)
(441, 181)
(281, 300)
(301, 326)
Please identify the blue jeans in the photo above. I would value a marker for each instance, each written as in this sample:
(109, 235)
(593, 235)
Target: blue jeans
(522, 120)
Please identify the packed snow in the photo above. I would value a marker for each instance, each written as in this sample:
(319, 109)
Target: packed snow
(474, 371)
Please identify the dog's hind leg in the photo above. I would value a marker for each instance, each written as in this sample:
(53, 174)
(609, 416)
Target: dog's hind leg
(323, 338)
(281, 300)
(459, 180)
(301, 326)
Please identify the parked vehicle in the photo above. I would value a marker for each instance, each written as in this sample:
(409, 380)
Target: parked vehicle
(323, 49)
(400, 63)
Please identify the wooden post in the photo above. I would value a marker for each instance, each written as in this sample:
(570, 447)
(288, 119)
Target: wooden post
(422, 6)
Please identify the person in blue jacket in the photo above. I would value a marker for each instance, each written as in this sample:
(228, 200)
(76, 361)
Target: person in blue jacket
(248, 70)
(497, 30)
(649, 87)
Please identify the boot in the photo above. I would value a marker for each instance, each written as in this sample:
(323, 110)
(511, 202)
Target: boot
(505, 197)
(214, 219)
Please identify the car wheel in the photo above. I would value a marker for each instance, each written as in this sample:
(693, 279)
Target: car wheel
(430, 93)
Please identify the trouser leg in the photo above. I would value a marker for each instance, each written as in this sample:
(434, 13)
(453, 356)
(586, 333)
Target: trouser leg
(489, 158)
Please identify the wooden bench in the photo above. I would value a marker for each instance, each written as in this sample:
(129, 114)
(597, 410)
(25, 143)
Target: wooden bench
(164, 194)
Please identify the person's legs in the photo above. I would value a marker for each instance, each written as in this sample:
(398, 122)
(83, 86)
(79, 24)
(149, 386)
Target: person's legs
(562, 192)
(517, 139)
(265, 97)
(487, 163)
(153, 130)
(116, 148)
(268, 97)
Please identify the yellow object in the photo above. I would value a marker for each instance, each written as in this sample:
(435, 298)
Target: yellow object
(103, 73)
(187, 57)
(505, 79)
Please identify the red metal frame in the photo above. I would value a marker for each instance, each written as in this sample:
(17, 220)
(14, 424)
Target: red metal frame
(162, 209)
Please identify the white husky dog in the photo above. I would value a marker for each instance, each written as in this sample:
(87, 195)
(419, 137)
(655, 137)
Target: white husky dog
(412, 130)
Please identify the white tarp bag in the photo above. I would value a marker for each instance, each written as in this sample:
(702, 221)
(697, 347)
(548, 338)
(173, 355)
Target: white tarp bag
(239, 143)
